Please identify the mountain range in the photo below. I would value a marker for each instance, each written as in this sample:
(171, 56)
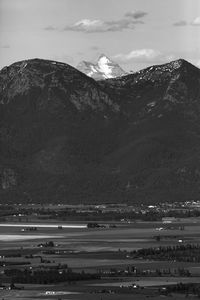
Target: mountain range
(67, 138)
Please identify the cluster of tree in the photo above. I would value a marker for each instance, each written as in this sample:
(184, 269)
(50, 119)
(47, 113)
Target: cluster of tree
(186, 288)
(10, 263)
(186, 253)
(12, 255)
(148, 215)
(96, 214)
(47, 244)
(49, 276)
(95, 225)
(6, 211)
(133, 271)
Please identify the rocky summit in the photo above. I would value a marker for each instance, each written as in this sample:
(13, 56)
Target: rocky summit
(102, 69)
(68, 138)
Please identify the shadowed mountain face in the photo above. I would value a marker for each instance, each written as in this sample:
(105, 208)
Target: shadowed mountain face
(160, 144)
(55, 127)
(66, 138)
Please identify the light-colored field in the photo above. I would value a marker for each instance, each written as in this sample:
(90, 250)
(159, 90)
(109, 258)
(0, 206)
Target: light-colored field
(44, 225)
(150, 281)
(20, 237)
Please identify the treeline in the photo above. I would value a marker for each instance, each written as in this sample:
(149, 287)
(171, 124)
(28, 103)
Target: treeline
(181, 253)
(10, 263)
(132, 271)
(47, 276)
(148, 215)
(186, 288)
(144, 214)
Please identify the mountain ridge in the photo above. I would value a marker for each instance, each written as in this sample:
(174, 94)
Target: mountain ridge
(24, 74)
(68, 138)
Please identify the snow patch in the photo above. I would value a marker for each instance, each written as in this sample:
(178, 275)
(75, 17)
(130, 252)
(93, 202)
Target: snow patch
(93, 69)
(104, 66)
(90, 73)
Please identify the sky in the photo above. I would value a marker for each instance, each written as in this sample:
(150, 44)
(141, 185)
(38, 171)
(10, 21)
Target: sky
(133, 33)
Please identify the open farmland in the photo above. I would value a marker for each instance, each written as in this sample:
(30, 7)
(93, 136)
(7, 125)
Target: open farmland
(94, 251)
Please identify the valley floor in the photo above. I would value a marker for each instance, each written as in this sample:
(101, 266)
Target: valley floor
(96, 251)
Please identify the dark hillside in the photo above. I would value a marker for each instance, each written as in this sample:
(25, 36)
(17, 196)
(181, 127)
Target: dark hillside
(67, 138)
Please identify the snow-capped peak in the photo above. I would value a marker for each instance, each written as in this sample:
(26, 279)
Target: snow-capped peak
(104, 68)
(104, 59)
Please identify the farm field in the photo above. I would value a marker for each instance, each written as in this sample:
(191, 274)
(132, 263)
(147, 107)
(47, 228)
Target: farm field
(91, 251)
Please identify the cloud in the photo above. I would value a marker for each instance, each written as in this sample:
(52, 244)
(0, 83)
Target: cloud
(50, 28)
(138, 54)
(180, 23)
(144, 55)
(90, 26)
(136, 14)
(6, 46)
(196, 21)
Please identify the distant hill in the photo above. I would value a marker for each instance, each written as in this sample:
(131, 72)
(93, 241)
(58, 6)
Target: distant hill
(68, 138)
(102, 69)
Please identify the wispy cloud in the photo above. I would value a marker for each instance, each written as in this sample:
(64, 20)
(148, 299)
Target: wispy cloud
(128, 21)
(50, 28)
(144, 55)
(6, 46)
(196, 21)
(180, 23)
(137, 14)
